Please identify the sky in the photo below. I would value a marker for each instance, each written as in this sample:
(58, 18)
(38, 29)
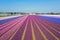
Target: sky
(43, 6)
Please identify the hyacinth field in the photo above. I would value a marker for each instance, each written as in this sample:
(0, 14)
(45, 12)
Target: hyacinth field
(30, 27)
